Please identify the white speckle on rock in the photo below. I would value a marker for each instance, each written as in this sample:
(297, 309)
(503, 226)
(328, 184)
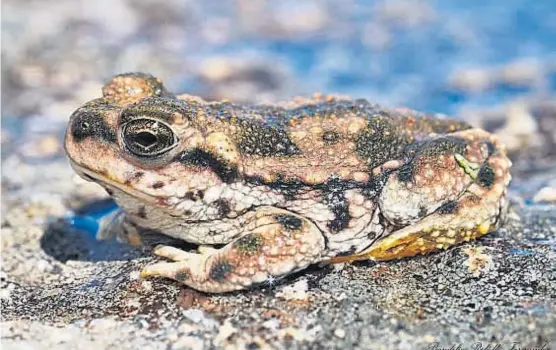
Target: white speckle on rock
(6, 292)
(478, 262)
(188, 343)
(340, 333)
(224, 333)
(43, 265)
(301, 334)
(188, 328)
(272, 324)
(296, 291)
(341, 296)
(338, 266)
(134, 275)
(198, 317)
(102, 325)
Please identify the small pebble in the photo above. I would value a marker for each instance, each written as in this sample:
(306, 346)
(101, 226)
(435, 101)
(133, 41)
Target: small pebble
(429, 338)
(296, 291)
(340, 333)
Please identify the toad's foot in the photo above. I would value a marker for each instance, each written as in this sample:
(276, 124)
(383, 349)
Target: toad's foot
(278, 244)
(481, 169)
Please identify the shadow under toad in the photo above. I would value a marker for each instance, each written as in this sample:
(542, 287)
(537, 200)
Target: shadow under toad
(75, 237)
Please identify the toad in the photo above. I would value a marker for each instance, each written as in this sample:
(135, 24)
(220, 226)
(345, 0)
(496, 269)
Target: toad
(266, 190)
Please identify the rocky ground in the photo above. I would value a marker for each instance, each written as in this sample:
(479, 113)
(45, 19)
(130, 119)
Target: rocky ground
(62, 289)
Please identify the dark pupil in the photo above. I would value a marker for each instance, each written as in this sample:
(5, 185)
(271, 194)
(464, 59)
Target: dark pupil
(148, 138)
(145, 139)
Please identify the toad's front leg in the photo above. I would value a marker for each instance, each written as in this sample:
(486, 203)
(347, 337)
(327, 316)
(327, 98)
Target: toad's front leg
(278, 243)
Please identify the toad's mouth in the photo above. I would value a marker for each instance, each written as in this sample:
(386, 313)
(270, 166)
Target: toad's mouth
(110, 183)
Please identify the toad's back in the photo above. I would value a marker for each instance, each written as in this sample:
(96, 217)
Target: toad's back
(311, 139)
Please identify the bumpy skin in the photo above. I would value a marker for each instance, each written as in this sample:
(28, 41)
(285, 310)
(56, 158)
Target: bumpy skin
(282, 186)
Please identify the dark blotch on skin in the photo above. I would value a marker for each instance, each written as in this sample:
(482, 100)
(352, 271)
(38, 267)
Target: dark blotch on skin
(491, 148)
(442, 145)
(135, 177)
(288, 188)
(220, 271)
(223, 207)
(331, 137)
(90, 124)
(375, 185)
(204, 159)
(142, 213)
(405, 172)
(289, 222)
(158, 184)
(485, 177)
(266, 141)
(348, 252)
(249, 244)
(381, 141)
(333, 192)
(341, 219)
(194, 196)
(448, 207)
(182, 276)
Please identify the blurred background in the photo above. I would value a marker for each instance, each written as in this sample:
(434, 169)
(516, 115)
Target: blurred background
(490, 62)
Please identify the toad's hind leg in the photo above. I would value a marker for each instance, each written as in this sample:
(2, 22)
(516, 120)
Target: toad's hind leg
(466, 220)
(479, 209)
(278, 243)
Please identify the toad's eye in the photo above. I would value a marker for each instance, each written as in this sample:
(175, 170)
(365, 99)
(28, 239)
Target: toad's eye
(148, 137)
